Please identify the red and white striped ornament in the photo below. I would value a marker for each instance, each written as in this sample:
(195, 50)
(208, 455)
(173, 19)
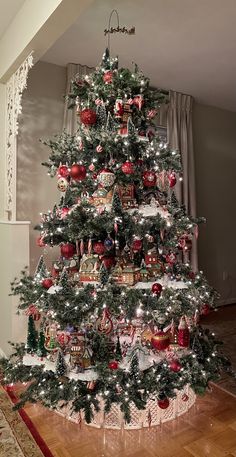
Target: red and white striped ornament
(33, 311)
(90, 246)
(81, 247)
(98, 102)
(99, 148)
(151, 113)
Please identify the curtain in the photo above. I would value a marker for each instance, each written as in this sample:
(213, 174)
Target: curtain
(70, 117)
(180, 137)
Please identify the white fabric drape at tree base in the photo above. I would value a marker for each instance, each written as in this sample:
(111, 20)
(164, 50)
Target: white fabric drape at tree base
(177, 117)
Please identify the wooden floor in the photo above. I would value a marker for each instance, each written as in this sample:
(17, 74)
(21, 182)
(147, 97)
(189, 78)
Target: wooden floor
(208, 429)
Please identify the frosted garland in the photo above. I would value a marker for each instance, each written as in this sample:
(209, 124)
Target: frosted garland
(14, 90)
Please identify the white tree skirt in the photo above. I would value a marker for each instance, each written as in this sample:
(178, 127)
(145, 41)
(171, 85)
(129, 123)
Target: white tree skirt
(164, 281)
(152, 415)
(32, 360)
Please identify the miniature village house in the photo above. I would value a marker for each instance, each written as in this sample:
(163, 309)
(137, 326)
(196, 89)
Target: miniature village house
(127, 196)
(80, 354)
(153, 263)
(126, 273)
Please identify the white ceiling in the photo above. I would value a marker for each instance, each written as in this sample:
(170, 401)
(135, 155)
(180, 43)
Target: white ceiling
(186, 45)
(8, 10)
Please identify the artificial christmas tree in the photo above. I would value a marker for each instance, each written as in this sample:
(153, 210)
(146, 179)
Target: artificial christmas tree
(119, 221)
(61, 367)
(31, 336)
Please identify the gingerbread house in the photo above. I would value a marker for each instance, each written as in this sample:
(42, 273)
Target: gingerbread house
(89, 268)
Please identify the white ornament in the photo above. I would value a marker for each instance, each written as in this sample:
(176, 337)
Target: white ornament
(54, 289)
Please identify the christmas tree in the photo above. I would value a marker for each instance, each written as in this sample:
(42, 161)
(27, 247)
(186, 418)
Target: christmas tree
(31, 336)
(123, 280)
(41, 351)
(61, 366)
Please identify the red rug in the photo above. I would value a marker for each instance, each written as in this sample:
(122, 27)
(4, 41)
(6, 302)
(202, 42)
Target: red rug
(19, 430)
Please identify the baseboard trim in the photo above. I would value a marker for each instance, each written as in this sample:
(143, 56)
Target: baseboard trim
(226, 301)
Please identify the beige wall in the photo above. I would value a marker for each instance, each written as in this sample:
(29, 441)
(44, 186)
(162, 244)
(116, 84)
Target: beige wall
(215, 152)
(42, 117)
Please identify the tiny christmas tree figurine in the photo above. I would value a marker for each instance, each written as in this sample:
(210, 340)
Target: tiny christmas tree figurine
(41, 351)
(104, 275)
(116, 202)
(118, 351)
(134, 366)
(61, 367)
(31, 336)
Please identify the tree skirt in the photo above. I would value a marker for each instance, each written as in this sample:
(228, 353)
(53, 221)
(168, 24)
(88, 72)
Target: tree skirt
(152, 415)
(18, 436)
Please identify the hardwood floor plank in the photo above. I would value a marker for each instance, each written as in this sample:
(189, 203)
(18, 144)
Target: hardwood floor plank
(204, 448)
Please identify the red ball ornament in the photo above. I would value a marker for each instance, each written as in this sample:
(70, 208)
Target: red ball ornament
(164, 403)
(128, 168)
(47, 283)
(113, 365)
(192, 275)
(88, 117)
(137, 245)
(156, 288)
(160, 340)
(78, 172)
(109, 262)
(67, 250)
(63, 171)
(172, 179)
(149, 179)
(175, 366)
(99, 248)
(108, 77)
(205, 310)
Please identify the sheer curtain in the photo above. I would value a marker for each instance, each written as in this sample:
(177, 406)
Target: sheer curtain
(70, 117)
(180, 136)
